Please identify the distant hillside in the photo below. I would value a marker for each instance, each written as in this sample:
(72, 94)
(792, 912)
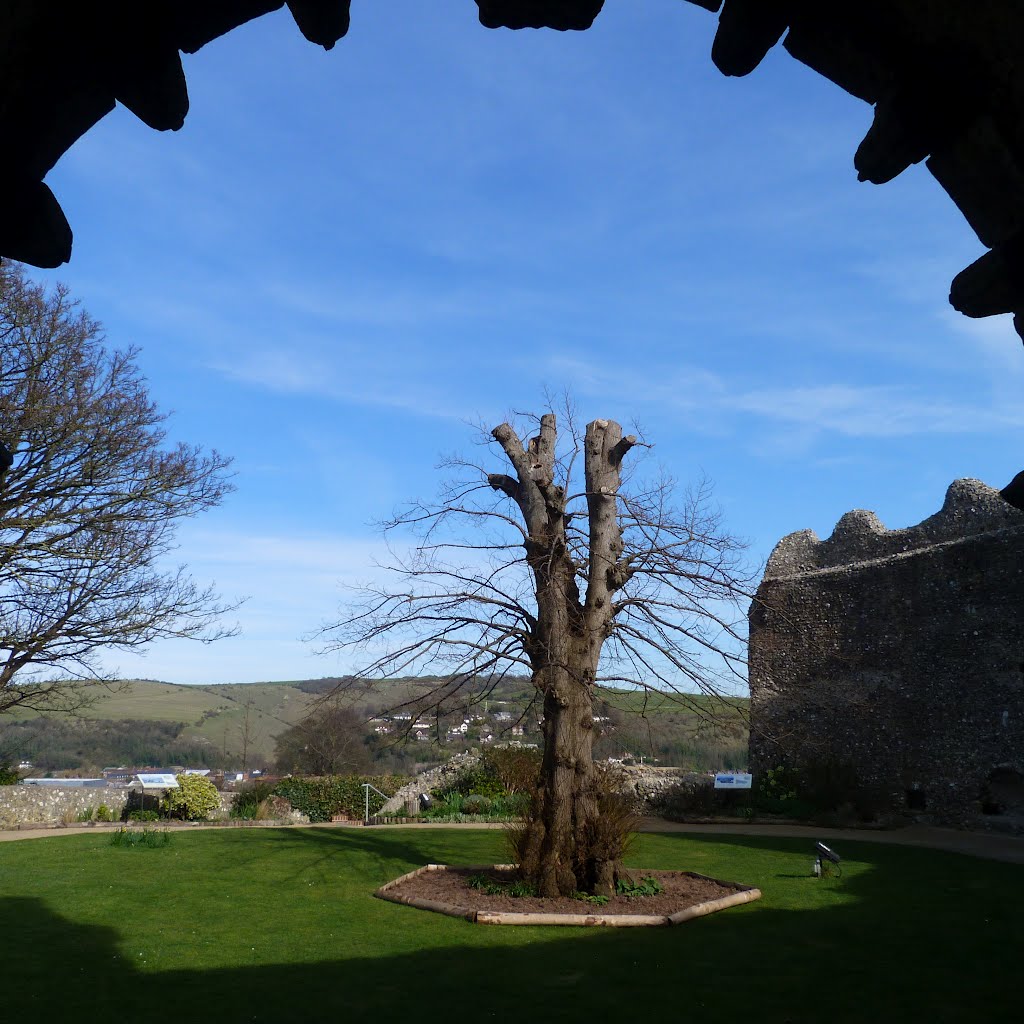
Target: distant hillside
(146, 721)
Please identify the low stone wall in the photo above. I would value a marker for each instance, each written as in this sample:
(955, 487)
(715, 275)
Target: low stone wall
(429, 781)
(647, 785)
(46, 805)
(652, 787)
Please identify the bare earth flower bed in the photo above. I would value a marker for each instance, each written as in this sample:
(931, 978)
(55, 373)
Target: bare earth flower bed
(447, 890)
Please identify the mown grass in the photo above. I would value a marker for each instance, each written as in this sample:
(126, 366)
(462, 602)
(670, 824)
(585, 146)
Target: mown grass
(279, 925)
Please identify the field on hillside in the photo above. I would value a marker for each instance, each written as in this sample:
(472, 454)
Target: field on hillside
(208, 715)
(222, 720)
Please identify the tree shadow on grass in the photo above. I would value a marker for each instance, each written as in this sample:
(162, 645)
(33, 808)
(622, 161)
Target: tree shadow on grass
(394, 851)
(908, 943)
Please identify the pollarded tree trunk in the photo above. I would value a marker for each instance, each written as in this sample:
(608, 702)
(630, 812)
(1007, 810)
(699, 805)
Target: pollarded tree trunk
(564, 852)
(565, 848)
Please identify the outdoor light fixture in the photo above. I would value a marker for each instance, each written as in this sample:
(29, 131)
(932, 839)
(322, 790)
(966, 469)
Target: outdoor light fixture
(424, 801)
(829, 856)
(824, 851)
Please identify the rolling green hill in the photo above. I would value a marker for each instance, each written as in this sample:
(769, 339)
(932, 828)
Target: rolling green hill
(213, 724)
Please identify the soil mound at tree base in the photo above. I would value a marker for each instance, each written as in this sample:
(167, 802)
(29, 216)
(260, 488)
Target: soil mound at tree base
(447, 890)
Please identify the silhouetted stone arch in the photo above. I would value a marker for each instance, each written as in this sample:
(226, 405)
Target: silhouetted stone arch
(946, 79)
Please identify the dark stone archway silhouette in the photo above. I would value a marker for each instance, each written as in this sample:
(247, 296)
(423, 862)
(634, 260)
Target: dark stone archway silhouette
(945, 77)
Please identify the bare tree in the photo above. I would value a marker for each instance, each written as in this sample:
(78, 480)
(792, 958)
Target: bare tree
(515, 570)
(248, 729)
(90, 498)
(329, 741)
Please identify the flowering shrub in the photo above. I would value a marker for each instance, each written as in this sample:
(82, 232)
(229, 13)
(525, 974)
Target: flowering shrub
(195, 799)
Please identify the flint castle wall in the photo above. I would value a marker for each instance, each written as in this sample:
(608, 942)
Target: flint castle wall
(900, 653)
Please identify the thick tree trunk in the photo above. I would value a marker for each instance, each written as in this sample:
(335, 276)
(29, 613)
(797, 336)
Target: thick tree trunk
(566, 849)
(563, 850)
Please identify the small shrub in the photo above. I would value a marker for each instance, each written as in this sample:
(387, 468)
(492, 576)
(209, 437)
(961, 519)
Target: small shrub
(477, 779)
(245, 804)
(132, 837)
(143, 815)
(500, 773)
(778, 791)
(618, 820)
(647, 886)
(444, 805)
(493, 887)
(195, 799)
(104, 813)
(8, 774)
(516, 768)
(475, 804)
(608, 839)
(515, 805)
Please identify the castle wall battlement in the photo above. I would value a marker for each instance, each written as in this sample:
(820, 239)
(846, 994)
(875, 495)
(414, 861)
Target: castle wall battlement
(971, 508)
(899, 655)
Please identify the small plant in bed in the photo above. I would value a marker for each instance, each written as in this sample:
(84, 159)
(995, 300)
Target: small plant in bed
(646, 886)
(495, 887)
(591, 898)
(134, 837)
(627, 887)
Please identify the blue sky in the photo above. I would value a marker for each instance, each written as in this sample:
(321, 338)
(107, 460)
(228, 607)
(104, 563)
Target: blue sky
(344, 258)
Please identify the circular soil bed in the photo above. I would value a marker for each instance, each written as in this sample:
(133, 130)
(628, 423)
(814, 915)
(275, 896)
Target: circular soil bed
(446, 890)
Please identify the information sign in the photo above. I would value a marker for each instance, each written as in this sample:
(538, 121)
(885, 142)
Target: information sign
(733, 780)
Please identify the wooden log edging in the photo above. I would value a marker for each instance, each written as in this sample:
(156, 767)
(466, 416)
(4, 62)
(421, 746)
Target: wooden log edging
(743, 894)
(385, 893)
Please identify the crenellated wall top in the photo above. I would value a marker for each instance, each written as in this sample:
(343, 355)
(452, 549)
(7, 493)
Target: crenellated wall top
(971, 508)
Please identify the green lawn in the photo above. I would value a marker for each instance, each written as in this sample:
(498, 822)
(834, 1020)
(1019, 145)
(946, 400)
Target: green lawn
(279, 926)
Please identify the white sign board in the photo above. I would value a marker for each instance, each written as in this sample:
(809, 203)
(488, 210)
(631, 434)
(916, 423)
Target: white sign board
(734, 780)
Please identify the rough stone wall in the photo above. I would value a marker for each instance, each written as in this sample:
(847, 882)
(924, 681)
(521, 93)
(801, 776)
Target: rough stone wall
(900, 652)
(29, 805)
(651, 787)
(46, 805)
(647, 786)
(429, 781)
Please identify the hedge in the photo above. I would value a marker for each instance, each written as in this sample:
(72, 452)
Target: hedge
(323, 797)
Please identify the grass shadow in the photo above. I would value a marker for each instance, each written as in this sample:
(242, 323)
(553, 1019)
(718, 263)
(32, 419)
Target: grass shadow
(905, 935)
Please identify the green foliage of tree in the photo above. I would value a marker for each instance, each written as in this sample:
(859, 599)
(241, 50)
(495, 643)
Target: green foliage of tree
(90, 744)
(90, 498)
(195, 799)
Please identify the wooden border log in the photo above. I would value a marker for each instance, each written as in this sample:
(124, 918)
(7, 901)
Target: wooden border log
(573, 920)
(702, 909)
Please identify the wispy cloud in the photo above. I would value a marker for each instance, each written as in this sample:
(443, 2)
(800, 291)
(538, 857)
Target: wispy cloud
(713, 402)
(867, 412)
(356, 382)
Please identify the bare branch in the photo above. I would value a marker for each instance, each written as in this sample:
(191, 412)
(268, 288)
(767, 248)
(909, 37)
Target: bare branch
(89, 504)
